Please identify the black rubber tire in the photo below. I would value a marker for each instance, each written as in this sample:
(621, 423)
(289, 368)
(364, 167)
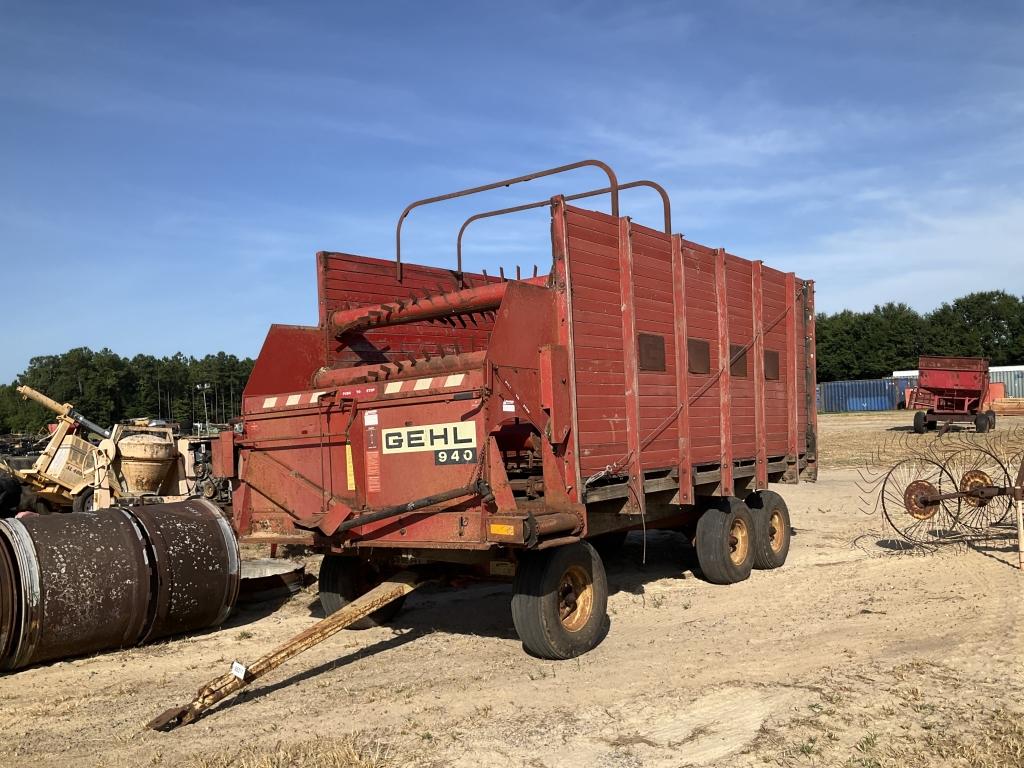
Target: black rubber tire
(991, 418)
(609, 545)
(764, 506)
(920, 422)
(714, 541)
(981, 423)
(83, 501)
(343, 578)
(536, 595)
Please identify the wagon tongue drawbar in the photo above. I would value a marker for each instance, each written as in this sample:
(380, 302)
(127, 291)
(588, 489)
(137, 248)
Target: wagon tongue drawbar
(240, 676)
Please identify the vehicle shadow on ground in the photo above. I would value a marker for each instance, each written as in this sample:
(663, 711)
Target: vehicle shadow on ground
(483, 608)
(952, 428)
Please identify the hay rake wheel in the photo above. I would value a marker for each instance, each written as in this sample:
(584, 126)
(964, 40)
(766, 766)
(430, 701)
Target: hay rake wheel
(974, 469)
(911, 505)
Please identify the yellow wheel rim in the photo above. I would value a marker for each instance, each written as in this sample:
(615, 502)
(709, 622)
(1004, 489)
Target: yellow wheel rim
(739, 541)
(575, 598)
(776, 531)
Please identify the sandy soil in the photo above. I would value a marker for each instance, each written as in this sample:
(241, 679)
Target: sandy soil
(855, 653)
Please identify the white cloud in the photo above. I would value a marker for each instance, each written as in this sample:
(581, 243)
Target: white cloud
(922, 259)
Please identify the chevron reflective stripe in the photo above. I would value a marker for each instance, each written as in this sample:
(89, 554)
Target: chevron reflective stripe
(390, 388)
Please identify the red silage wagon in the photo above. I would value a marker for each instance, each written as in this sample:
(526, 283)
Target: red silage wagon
(437, 416)
(951, 389)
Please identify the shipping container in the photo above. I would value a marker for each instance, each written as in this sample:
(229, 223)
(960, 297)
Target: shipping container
(863, 395)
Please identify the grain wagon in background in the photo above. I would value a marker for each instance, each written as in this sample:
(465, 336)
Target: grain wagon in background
(951, 390)
(510, 425)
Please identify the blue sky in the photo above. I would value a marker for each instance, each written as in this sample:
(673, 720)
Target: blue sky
(180, 164)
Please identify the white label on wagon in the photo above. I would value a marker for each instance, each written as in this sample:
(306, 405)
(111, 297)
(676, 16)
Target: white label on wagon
(430, 437)
(509, 406)
(370, 419)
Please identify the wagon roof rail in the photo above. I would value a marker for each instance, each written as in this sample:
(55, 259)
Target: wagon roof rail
(613, 183)
(665, 204)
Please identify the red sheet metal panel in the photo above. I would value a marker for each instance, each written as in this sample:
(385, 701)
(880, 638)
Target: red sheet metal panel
(741, 337)
(710, 300)
(702, 327)
(593, 255)
(949, 375)
(290, 356)
(654, 309)
(773, 284)
(346, 281)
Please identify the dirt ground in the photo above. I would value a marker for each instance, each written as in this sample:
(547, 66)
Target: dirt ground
(856, 653)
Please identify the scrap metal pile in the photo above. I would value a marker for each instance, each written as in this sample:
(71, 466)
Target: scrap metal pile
(134, 463)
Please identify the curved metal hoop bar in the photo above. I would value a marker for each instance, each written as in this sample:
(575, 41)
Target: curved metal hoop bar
(665, 202)
(612, 181)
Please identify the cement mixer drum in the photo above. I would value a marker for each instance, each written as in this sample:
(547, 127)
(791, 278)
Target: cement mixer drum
(145, 459)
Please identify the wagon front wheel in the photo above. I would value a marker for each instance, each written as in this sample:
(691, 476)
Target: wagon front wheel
(560, 601)
(344, 578)
(981, 423)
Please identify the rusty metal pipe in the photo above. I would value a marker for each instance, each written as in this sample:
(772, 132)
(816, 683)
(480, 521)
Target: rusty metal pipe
(112, 578)
(666, 205)
(411, 506)
(556, 522)
(612, 182)
(434, 366)
(81, 585)
(195, 563)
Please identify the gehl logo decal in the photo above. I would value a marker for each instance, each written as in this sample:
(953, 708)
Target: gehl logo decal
(453, 443)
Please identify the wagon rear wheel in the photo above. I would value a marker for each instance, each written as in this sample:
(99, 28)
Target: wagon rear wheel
(560, 601)
(344, 578)
(725, 534)
(981, 423)
(920, 422)
(771, 529)
(991, 418)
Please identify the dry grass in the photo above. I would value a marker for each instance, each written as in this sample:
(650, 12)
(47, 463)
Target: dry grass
(918, 715)
(864, 439)
(350, 751)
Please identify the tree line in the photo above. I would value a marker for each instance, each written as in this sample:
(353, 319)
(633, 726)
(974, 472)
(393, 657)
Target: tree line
(870, 345)
(107, 388)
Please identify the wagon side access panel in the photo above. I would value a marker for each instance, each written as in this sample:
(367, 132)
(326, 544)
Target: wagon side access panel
(689, 363)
